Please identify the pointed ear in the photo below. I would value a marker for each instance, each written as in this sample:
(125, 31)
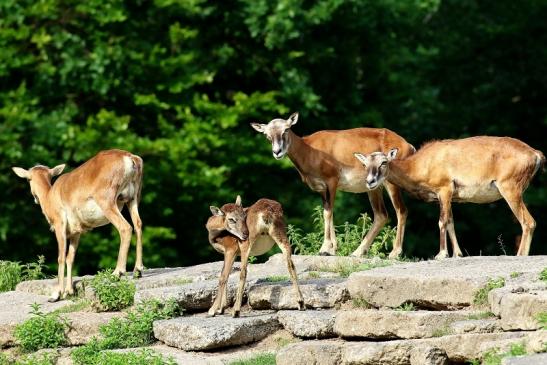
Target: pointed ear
(57, 170)
(20, 172)
(216, 211)
(259, 127)
(293, 119)
(392, 154)
(362, 158)
(238, 200)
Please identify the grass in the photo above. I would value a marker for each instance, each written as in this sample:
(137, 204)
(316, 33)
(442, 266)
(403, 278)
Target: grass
(113, 293)
(346, 269)
(481, 315)
(406, 307)
(135, 330)
(494, 356)
(542, 319)
(442, 331)
(12, 273)
(481, 295)
(313, 275)
(262, 359)
(276, 278)
(32, 359)
(515, 274)
(80, 305)
(141, 357)
(543, 275)
(349, 236)
(41, 331)
(183, 281)
(359, 302)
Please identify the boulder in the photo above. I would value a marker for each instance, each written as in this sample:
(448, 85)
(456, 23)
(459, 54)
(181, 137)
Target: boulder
(428, 355)
(204, 333)
(536, 359)
(476, 326)
(519, 306)
(308, 324)
(323, 352)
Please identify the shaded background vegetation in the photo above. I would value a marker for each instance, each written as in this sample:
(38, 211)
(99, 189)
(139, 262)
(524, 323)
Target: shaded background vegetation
(179, 81)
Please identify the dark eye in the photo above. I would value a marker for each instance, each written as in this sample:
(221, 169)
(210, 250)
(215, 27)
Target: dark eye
(231, 220)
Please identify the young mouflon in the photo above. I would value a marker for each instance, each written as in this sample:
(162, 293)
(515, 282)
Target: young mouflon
(253, 231)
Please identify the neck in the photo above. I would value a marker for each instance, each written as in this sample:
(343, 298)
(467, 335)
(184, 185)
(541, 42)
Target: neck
(215, 228)
(298, 150)
(43, 187)
(400, 174)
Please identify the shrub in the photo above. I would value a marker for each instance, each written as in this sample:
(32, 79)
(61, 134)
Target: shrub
(481, 295)
(12, 273)
(41, 330)
(113, 293)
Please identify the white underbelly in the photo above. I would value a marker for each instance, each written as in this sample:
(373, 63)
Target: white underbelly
(478, 193)
(352, 181)
(91, 215)
(262, 244)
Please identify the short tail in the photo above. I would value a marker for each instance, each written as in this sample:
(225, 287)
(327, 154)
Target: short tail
(540, 161)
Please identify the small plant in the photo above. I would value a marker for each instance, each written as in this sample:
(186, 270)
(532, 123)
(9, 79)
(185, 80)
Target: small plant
(41, 330)
(35, 270)
(262, 359)
(252, 259)
(406, 307)
(346, 269)
(313, 275)
(543, 275)
(360, 302)
(515, 274)
(79, 306)
(47, 358)
(141, 357)
(494, 356)
(542, 319)
(276, 278)
(10, 275)
(113, 293)
(481, 295)
(481, 315)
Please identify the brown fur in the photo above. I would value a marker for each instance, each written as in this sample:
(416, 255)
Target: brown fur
(103, 180)
(264, 221)
(325, 158)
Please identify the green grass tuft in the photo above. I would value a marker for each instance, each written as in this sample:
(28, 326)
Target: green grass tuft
(346, 269)
(543, 275)
(141, 357)
(276, 278)
(80, 305)
(41, 331)
(262, 359)
(515, 274)
(481, 295)
(113, 293)
(359, 302)
(542, 319)
(406, 307)
(494, 356)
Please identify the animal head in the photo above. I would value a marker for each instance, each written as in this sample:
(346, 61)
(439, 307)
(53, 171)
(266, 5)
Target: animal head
(377, 165)
(277, 132)
(234, 218)
(37, 175)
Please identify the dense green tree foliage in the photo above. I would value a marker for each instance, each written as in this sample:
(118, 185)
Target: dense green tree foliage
(178, 81)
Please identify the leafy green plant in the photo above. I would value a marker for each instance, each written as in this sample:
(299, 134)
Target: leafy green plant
(10, 275)
(262, 359)
(515, 274)
(41, 330)
(35, 270)
(140, 357)
(113, 293)
(134, 330)
(406, 307)
(494, 356)
(481, 295)
(543, 275)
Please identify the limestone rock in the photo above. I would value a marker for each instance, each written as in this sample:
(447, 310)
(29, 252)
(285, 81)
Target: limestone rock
(84, 325)
(536, 359)
(203, 333)
(519, 306)
(476, 326)
(308, 324)
(324, 352)
(428, 355)
(317, 293)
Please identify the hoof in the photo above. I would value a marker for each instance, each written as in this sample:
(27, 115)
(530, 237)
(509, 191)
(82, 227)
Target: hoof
(394, 255)
(54, 298)
(324, 254)
(137, 274)
(441, 255)
(235, 314)
(301, 306)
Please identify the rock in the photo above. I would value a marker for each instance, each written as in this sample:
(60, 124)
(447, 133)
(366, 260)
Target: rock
(324, 352)
(15, 308)
(191, 297)
(203, 333)
(428, 355)
(519, 306)
(441, 284)
(476, 326)
(390, 324)
(317, 293)
(536, 359)
(84, 325)
(308, 324)
(536, 341)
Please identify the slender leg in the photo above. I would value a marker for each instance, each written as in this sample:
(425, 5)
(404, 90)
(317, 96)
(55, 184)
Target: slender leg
(380, 219)
(513, 198)
(329, 240)
(137, 224)
(72, 248)
(278, 233)
(245, 248)
(112, 213)
(220, 300)
(456, 252)
(60, 234)
(396, 197)
(445, 199)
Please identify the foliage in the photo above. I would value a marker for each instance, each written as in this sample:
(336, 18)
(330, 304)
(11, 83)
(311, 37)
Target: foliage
(345, 269)
(12, 273)
(80, 305)
(359, 302)
(45, 358)
(276, 278)
(113, 292)
(134, 330)
(177, 82)
(515, 274)
(543, 275)
(494, 356)
(261, 359)
(41, 330)
(542, 319)
(481, 295)
(406, 307)
(85, 355)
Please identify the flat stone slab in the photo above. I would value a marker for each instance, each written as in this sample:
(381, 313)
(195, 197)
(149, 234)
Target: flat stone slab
(519, 305)
(317, 293)
(309, 323)
(476, 326)
(204, 333)
(15, 308)
(536, 359)
(85, 325)
(458, 348)
(392, 324)
(440, 284)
